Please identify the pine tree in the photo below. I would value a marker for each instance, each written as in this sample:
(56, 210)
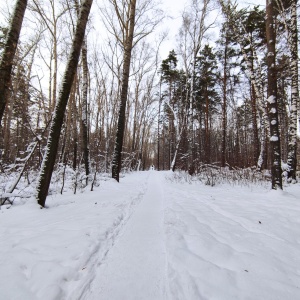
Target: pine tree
(272, 97)
(206, 95)
(227, 57)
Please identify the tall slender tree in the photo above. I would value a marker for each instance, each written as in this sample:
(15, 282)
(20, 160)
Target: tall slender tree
(272, 96)
(58, 117)
(293, 44)
(128, 43)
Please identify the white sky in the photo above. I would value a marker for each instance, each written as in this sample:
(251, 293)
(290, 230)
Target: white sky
(174, 9)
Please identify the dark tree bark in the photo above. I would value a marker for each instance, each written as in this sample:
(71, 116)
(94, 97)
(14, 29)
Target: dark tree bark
(254, 125)
(116, 163)
(272, 97)
(58, 117)
(9, 53)
(84, 105)
(224, 106)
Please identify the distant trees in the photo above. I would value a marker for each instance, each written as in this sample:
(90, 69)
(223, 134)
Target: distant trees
(204, 103)
(238, 70)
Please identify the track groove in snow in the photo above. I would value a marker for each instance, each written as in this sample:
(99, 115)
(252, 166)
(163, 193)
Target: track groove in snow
(135, 268)
(104, 245)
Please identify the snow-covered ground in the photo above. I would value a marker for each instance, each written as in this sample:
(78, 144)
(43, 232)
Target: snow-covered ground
(152, 236)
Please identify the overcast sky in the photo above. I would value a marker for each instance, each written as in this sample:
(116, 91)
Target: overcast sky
(174, 9)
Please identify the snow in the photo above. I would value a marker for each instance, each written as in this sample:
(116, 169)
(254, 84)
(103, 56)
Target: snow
(273, 138)
(271, 99)
(154, 235)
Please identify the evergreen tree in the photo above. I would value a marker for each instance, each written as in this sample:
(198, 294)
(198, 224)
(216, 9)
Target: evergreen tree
(206, 94)
(227, 57)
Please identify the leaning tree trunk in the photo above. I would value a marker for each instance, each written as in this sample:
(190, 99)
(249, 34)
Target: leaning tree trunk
(116, 163)
(58, 116)
(293, 43)
(9, 52)
(272, 97)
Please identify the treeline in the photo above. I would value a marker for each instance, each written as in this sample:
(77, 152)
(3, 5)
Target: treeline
(232, 102)
(225, 99)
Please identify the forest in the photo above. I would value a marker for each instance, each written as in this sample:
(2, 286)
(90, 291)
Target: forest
(84, 90)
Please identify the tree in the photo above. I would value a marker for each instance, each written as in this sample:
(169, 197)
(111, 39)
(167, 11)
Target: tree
(242, 27)
(9, 52)
(195, 25)
(206, 95)
(293, 45)
(50, 19)
(53, 139)
(132, 26)
(128, 29)
(227, 56)
(272, 97)
(254, 25)
(84, 105)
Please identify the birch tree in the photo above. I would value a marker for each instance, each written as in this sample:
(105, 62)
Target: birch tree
(293, 44)
(192, 34)
(253, 69)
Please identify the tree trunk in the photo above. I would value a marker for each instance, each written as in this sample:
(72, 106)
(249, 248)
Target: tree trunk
(116, 163)
(158, 127)
(207, 132)
(58, 116)
(84, 115)
(254, 117)
(224, 107)
(292, 135)
(9, 52)
(272, 97)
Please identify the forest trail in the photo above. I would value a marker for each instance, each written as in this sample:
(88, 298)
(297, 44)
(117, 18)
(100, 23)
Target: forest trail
(135, 267)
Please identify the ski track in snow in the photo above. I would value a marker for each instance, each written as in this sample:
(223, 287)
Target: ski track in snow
(151, 238)
(135, 267)
(105, 244)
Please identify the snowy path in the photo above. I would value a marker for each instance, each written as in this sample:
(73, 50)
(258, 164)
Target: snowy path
(135, 267)
(153, 236)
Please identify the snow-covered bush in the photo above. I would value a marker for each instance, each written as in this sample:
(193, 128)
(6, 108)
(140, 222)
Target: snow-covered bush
(214, 175)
